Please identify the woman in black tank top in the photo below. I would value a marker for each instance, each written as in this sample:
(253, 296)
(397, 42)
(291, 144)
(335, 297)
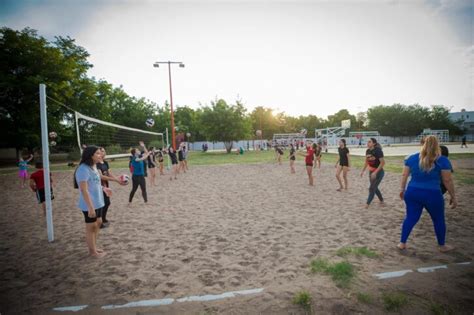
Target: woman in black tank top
(292, 157)
(152, 165)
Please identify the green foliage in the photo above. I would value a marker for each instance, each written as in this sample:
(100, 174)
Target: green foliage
(303, 299)
(74, 154)
(364, 298)
(341, 273)
(156, 143)
(319, 265)
(440, 309)
(222, 122)
(358, 251)
(402, 120)
(114, 149)
(394, 301)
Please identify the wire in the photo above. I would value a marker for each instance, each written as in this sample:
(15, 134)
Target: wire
(60, 103)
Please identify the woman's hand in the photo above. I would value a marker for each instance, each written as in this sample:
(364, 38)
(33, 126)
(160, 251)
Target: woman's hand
(362, 173)
(373, 176)
(91, 213)
(453, 202)
(107, 191)
(402, 194)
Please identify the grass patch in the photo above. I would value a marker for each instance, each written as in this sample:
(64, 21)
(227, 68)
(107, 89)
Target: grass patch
(440, 309)
(357, 251)
(320, 265)
(394, 301)
(303, 299)
(341, 273)
(364, 298)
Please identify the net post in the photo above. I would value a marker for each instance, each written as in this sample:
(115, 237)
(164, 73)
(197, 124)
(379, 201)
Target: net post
(167, 146)
(45, 152)
(77, 132)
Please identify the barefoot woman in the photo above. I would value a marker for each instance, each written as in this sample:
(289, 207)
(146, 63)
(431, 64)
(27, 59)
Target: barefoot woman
(91, 199)
(342, 164)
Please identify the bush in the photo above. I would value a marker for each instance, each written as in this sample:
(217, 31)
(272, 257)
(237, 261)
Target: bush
(114, 149)
(74, 154)
(303, 299)
(156, 144)
(394, 301)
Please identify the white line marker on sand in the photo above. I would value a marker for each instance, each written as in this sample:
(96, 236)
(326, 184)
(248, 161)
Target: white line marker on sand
(70, 308)
(401, 273)
(194, 298)
(213, 297)
(140, 303)
(431, 269)
(393, 274)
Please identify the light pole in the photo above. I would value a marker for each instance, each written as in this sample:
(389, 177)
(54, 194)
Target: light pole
(181, 65)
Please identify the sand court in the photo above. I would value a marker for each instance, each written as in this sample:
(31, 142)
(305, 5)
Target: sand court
(220, 229)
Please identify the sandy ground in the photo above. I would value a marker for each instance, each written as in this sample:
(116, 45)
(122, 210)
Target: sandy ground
(226, 228)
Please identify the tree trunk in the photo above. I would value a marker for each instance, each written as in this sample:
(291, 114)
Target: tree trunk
(228, 146)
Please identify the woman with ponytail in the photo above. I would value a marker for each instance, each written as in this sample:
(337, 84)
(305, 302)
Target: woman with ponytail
(427, 169)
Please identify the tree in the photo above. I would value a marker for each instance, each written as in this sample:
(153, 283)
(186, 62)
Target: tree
(26, 60)
(227, 123)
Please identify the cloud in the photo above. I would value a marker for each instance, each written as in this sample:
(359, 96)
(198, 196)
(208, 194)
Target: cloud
(310, 57)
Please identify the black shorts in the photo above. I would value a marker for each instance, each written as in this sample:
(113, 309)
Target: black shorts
(40, 195)
(344, 164)
(98, 214)
(151, 166)
(174, 162)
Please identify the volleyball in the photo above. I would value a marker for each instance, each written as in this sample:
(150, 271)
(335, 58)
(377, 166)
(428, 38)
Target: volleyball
(52, 143)
(150, 122)
(124, 178)
(304, 131)
(188, 134)
(258, 133)
(53, 135)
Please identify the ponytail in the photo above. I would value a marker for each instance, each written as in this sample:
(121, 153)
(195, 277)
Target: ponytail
(430, 151)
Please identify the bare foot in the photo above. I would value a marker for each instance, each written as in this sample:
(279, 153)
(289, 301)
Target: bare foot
(366, 206)
(339, 189)
(98, 255)
(402, 246)
(99, 250)
(445, 248)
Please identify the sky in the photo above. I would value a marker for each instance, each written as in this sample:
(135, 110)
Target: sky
(299, 57)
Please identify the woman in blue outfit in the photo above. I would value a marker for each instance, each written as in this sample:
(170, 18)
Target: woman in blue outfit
(91, 198)
(427, 169)
(138, 175)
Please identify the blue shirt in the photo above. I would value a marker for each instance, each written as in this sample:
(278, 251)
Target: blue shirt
(426, 180)
(23, 165)
(85, 173)
(138, 168)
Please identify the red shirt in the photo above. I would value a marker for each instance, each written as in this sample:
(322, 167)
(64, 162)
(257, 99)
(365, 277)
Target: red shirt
(309, 156)
(38, 177)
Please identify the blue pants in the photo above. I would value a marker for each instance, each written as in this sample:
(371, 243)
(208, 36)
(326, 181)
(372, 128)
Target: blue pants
(416, 199)
(374, 186)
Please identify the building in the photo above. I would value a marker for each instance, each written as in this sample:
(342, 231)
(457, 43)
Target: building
(467, 121)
